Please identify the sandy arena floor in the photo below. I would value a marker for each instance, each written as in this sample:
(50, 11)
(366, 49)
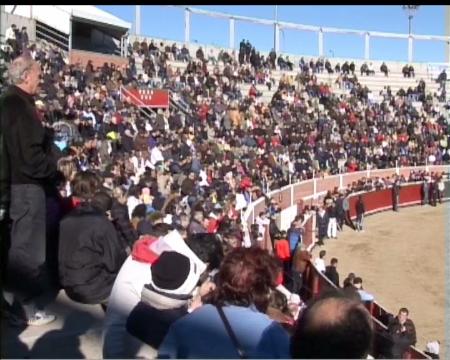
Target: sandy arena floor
(401, 259)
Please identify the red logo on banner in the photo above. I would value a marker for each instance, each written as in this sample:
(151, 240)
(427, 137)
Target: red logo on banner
(154, 98)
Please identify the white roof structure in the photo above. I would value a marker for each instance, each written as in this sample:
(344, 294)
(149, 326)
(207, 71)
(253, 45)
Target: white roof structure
(58, 16)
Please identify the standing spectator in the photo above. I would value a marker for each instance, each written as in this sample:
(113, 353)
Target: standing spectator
(282, 251)
(332, 222)
(340, 213)
(347, 334)
(384, 69)
(396, 194)
(331, 272)
(442, 78)
(360, 211)
(426, 191)
(24, 39)
(365, 296)
(346, 207)
(433, 192)
(32, 175)
(11, 39)
(299, 263)
(321, 224)
(403, 333)
(294, 235)
(441, 188)
(319, 262)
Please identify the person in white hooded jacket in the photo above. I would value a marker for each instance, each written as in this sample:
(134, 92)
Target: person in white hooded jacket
(134, 274)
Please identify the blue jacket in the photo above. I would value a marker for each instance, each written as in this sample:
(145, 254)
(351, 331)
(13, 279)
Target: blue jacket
(202, 334)
(294, 237)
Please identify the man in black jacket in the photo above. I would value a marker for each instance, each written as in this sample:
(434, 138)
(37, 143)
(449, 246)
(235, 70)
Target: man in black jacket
(403, 334)
(331, 272)
(360, 211)
(32, 171)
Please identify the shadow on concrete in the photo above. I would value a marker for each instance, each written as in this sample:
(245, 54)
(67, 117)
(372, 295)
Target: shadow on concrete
(65, 342)
(75, 334)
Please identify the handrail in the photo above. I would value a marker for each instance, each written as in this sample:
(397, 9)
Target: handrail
(284, 24)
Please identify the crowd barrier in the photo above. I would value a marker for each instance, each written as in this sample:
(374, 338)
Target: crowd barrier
(294, 198)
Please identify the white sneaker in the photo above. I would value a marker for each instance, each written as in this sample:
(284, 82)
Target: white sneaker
(41, 318)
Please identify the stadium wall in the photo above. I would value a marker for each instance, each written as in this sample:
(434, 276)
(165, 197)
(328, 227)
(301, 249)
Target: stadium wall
(82, 57)
(21, 21)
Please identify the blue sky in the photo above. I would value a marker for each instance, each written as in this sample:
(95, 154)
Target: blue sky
(168, 23)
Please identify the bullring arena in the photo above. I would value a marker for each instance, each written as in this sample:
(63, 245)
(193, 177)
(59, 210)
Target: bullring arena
(401, 259)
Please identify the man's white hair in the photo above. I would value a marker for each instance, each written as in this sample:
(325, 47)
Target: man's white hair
(19, 69)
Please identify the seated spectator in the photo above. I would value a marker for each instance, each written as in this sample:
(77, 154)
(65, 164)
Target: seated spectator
(333, 327)
(90, 254)
(405, 71)
(119, 213)
(278, 310)
(348, 281)
(196, 225)
(364, 69)
(200, 55)
(331, 272)
(432, 349)
(328, 67)
(352, 67)
(365, 296)
(244, 282)
(403, 333)
(337, 68)
(184, 54)
(165, 298)
(370, 69)
(129, 284)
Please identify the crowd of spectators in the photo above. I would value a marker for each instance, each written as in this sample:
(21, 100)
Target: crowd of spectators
(133, 185)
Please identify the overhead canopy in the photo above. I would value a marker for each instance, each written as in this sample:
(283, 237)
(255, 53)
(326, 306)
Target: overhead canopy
(59, 16)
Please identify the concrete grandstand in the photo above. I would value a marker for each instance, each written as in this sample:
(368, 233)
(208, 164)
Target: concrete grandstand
(86, 35)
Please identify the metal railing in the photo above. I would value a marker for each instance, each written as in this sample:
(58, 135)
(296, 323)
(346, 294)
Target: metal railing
(52, 35)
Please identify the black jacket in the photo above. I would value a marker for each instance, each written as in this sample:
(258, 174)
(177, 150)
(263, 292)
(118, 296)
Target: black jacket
(151, 325)
(90, 255)
(125, 231)
(332, 274)
(27, 144)
(360, 208)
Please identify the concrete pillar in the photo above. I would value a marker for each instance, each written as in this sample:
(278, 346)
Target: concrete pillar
(320, 42)
(70, 33)
(367, 46)
(137, 29)
(2, 23)
(231, 40)
(187, 25)
(447, 33)
(277, 38)
(410, 49)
